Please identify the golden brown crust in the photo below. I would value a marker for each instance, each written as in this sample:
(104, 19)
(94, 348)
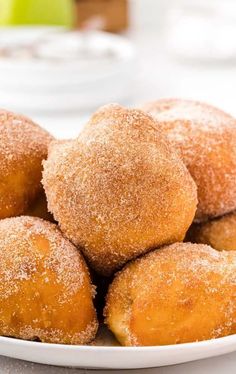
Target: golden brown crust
(219, 233)
(119, 190)
(23, 146)
(205, 137)
(38, 208)
(45, 289)
(181, 293)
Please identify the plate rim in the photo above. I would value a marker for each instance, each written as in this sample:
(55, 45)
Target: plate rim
(212, 342)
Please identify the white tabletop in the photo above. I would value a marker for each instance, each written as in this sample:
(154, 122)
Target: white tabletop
(220, 365)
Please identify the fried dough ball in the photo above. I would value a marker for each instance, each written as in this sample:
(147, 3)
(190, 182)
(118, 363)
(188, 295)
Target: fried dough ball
(45, 289)
(206, 138)
(23, 146)
(181, 293)
(119, 190)
(39, 208)
(219, 233)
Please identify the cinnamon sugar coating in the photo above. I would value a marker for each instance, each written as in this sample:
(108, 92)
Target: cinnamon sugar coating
(39, 208)
(45, 289)
(181, 293)
(119, 189)
(219, 233)
(23, 146)
(205, 137)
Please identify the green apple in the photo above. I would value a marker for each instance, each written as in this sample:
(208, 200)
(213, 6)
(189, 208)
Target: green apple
(36, 12)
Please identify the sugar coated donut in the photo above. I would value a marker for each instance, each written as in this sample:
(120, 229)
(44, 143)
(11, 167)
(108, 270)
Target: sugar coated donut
(206, 138)
(119, 190)
(219, 233)
(38, 208)
(23, 146)
(181, 293)
(45, 289)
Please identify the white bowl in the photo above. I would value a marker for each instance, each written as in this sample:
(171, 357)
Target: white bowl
(60, 70)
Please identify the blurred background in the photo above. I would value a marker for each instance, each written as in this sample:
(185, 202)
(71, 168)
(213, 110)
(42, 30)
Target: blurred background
(61, 59)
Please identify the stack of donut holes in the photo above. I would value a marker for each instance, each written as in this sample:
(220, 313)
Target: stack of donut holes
(135, 216)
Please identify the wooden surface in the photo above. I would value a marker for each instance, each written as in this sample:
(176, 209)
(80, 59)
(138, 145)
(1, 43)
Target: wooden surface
(108, 15)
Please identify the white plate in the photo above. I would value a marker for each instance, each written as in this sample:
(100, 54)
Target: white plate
(95, 357)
